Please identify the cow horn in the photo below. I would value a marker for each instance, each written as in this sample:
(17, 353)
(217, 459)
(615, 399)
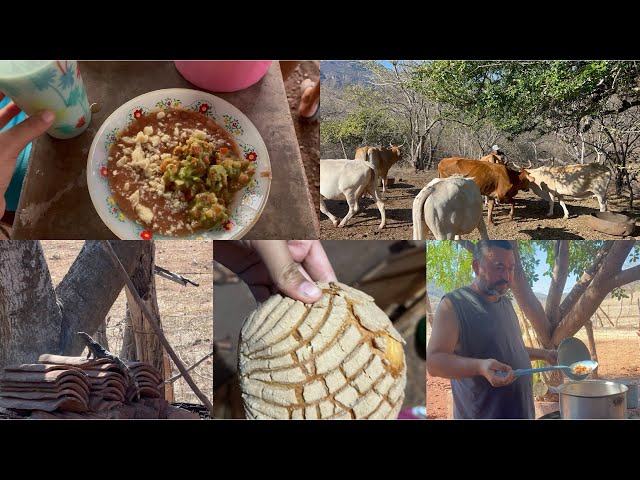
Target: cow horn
(517, 166)
(530, 165)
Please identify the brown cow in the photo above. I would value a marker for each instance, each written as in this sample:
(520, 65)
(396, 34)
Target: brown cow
(496, 156)
(493, 179)
(382, 159)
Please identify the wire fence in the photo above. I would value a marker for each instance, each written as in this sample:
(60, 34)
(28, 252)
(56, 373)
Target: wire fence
(186, 313)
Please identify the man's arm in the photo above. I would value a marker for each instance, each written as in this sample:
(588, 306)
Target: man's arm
(549, 356)
(443, 362)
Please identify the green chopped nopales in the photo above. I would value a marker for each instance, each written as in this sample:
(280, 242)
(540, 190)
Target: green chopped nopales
(208, 178)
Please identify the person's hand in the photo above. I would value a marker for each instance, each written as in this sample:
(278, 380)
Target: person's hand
(268, 266)
(488, 369)
(13, 141)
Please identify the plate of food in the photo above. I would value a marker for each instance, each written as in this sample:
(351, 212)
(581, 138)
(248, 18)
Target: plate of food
(178, 163)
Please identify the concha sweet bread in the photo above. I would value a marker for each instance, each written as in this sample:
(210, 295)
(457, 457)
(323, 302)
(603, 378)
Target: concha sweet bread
(339, 358)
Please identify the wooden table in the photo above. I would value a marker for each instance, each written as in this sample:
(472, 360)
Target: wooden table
(55, 202)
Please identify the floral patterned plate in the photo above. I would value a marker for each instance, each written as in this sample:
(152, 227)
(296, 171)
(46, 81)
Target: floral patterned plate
(247, 204)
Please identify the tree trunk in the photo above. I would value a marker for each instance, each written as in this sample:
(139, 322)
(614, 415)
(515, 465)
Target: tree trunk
(558, 280)
(592, 346)
(429, 310)
(529, 303)
(101, 335)
(608, 277)
(30, 317)
(628, 178)
(619, 181)
(148, 346)
(585, 279)
(35, 318)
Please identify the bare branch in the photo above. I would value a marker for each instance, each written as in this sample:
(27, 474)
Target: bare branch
(595, 292)
(558, 280)
(467, 245)
(582, 284)
(626, 276)
(605, 315)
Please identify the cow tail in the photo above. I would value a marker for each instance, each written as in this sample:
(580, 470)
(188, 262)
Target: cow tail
(418, 212)
(376, 191)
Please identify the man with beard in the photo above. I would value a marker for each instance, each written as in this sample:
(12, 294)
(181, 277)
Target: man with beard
(476, 334)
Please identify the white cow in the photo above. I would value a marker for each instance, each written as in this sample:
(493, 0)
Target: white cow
(348, 179)
(580, 181)
(450, 207)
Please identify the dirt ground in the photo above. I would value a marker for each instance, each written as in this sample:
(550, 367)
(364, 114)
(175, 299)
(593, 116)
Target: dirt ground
(618, 358)
(186, 312)
(308, 132)
(530, 221)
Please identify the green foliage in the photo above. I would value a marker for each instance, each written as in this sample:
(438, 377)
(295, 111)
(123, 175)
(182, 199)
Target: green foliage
(528, 260)
(581, 255)
(520, 96)
(448, 265)
(361, 125)
(619, 293)
(368, 122)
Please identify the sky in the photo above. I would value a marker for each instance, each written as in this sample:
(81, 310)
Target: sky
(544, 281)
(542, 285)
(385, 63)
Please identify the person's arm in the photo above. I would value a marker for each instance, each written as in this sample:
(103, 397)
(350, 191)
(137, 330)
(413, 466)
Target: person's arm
(13, 141)
(443, 362)
(548, 356)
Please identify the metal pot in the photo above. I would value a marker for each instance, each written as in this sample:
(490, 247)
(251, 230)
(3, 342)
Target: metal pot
(592, 399)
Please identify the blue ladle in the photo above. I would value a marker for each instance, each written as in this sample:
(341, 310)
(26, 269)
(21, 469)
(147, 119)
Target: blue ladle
(571, 369)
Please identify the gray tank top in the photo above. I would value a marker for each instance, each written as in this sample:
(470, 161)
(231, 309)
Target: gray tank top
(490, 330)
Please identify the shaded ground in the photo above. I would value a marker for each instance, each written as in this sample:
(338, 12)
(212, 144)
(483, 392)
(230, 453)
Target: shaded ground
(530, 221)
(618, 358)
(186, 312)
(308, 132)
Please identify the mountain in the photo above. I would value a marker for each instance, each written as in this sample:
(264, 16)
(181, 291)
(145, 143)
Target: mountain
(339, 73)
(542, 297)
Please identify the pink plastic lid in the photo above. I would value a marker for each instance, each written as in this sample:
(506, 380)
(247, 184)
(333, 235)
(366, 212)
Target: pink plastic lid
(223, 75)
